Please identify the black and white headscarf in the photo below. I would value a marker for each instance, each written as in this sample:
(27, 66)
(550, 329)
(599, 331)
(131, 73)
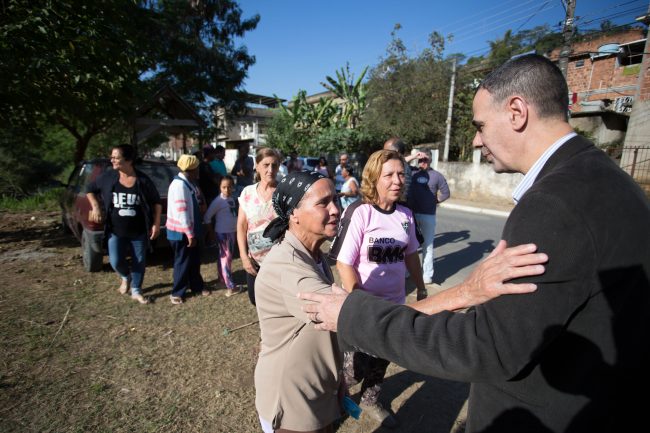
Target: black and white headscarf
(286, 197)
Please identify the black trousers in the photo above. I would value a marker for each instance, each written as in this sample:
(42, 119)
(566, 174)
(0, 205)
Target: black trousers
(187, 268)
(250, 283)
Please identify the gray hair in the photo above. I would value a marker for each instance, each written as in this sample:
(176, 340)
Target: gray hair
(536, 79)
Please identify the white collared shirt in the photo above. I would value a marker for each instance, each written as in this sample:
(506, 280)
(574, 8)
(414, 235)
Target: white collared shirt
(532, 174)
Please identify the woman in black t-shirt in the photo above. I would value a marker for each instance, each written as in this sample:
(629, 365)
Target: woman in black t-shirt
(132, 207)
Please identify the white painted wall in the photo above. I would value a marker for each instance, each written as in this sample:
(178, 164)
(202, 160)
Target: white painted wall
(476, 181)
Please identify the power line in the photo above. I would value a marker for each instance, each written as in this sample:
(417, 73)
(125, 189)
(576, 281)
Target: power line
(607, 8)
(482, 12)
(486, 50)
(536, 12)
(512, 17)
(492, 28)
(618, 14)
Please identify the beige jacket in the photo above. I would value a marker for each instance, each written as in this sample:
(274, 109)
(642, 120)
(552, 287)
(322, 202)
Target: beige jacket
(297, 377)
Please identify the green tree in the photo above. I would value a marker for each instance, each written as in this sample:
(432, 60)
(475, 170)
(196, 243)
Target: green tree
(352, 94)
(407, 96)
(87, 65)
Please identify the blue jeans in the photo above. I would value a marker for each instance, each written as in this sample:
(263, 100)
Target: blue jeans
(427, 225)
(117, 252)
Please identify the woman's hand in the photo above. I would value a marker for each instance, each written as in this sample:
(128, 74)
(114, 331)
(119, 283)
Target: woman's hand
(95, 215)
(248, 266)
(155, 231)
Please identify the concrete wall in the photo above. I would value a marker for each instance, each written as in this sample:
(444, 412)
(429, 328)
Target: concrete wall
(478, 182)
(474, 181)
(605, 128)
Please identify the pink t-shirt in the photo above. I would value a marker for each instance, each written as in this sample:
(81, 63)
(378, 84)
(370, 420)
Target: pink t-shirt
(375, 243)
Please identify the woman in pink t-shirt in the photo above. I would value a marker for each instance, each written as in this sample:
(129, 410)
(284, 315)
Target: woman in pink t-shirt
(374, 248)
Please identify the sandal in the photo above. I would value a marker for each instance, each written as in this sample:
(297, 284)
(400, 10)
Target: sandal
(176, 300)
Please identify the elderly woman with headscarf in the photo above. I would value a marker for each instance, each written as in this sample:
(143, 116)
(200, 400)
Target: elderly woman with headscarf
(184, 226)
(297, 375)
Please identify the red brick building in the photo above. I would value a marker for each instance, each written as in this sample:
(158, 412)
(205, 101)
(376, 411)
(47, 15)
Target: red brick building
(602, 75)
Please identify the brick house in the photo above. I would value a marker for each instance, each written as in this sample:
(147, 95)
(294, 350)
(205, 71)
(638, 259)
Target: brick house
(602, 76)
(636, 153)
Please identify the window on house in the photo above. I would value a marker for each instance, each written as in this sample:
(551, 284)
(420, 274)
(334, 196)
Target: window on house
(631, 53)
(580, 63)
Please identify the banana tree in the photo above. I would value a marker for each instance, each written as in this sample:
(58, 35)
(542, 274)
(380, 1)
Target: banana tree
(352, 93)
(308, 116)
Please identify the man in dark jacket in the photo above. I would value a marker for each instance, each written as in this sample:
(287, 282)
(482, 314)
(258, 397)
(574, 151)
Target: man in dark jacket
(573, 355)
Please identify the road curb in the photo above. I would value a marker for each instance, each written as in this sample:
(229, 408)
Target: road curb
(478, 210)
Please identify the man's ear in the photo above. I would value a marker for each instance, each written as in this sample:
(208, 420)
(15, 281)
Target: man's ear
(518, 112)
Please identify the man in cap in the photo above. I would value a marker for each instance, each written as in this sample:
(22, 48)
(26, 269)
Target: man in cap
(184, 226)
(428, 188)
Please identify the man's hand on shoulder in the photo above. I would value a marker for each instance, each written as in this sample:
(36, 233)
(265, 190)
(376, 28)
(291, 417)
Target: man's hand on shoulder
(325, 308)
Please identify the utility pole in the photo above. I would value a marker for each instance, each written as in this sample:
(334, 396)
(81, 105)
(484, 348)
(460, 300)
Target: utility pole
(445, 153)
(567, 32)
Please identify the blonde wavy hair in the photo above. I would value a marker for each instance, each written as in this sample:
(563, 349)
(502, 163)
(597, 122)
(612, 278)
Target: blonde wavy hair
(372, 171)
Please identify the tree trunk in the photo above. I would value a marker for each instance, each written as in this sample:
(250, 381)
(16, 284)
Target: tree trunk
(80, 150)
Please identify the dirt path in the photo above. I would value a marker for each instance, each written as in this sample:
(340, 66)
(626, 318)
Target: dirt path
(77, 356)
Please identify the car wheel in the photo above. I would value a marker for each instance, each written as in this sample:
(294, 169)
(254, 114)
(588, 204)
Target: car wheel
(92, 259)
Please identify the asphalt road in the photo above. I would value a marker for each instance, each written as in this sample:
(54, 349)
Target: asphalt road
(462, 239)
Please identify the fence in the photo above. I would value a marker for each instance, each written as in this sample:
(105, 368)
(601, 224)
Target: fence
(635, 161)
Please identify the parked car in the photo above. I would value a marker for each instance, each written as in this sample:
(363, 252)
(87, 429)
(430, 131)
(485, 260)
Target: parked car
(308, 162)
(75, 206)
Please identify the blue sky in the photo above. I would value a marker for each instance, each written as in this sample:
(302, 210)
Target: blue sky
(298, 42)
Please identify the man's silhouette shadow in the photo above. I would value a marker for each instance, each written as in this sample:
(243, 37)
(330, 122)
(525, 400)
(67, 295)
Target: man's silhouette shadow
(449, 264)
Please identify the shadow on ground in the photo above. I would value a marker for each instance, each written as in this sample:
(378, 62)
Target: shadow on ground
(449, 264)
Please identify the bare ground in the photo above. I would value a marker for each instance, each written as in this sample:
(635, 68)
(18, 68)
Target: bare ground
(75, 356)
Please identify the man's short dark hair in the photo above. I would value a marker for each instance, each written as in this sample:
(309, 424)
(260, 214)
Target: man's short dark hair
(535, 78)
(208, 150)
(396, 144)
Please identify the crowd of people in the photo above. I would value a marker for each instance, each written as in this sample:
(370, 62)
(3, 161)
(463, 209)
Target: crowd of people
(552, 323)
